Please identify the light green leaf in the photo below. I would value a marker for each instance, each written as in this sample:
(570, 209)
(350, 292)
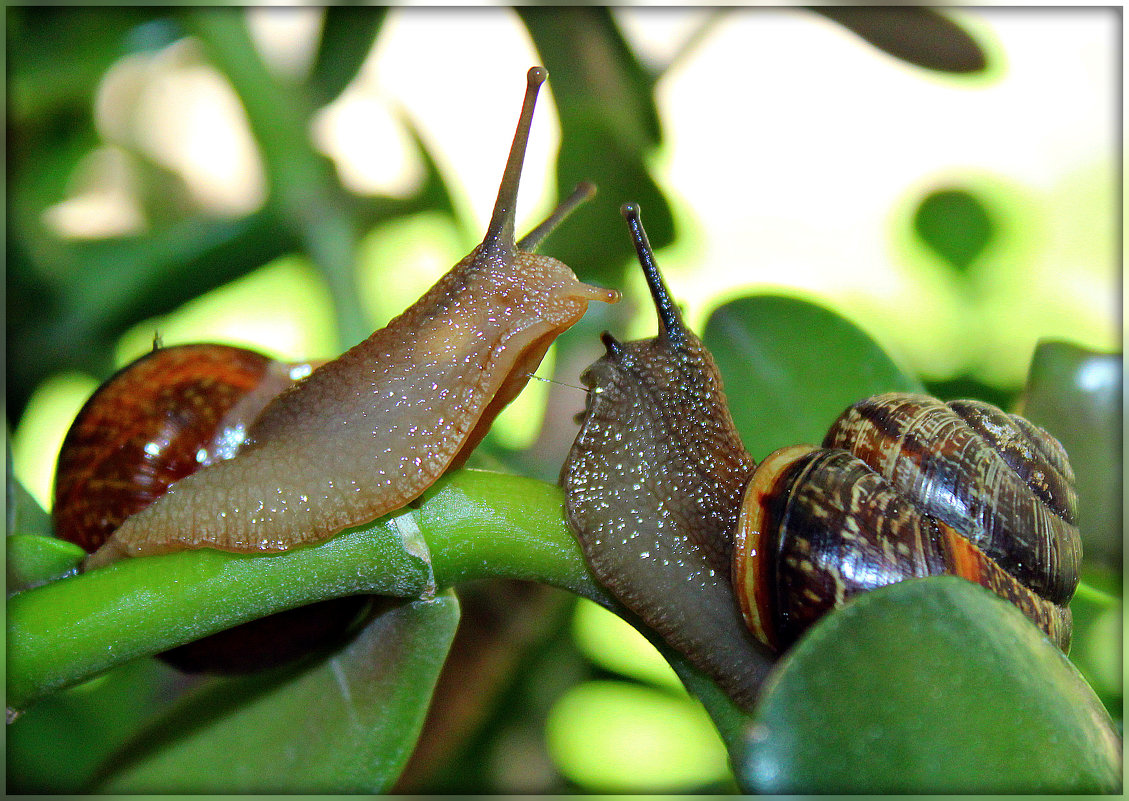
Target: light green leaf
(929, 686)
(791, 366)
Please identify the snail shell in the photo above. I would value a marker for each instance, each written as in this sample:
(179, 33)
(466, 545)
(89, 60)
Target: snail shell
(155, 421)
(168, 414)
(907, 486)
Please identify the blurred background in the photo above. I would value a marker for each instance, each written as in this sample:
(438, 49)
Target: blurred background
(290, 179)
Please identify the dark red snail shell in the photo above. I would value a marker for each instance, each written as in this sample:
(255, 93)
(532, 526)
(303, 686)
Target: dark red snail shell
(904, 486)
(155, 421)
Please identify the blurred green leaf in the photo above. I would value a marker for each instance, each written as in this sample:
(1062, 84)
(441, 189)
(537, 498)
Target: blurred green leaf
(1075, 394)
(621, 737)
(58, 55)
(347, 36)
(920, 36)
(791, 367)
(931, 685)
(609, 127)
(955, 225)
(23, 514)
(1096, 646)
(345, 724)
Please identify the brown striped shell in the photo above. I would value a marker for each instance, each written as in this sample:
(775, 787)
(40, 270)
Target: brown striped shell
(907, 486)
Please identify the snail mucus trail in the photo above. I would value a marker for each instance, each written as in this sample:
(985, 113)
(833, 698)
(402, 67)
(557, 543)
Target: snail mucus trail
(681, 526)
(368, 432)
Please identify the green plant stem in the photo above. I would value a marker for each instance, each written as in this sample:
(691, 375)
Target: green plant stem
(474, 524)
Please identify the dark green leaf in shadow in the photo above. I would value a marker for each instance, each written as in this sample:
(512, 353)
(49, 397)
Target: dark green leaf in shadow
(347, 723)
(347, 36)
(1075, 393)
(931, 685)
(56, 747)
(955, 225)
(56, 56)
(791, 366)
(920, 36)
(609, 126)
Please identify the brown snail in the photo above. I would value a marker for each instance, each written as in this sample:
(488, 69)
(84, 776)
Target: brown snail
(681, 526)
(215, 446)
(368, 432)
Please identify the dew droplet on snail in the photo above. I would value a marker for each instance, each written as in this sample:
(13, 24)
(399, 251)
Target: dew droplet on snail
(730, 561)
(238, 456)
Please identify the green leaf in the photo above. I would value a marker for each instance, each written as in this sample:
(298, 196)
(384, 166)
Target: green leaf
(347, 36)
(1075, 394)
(955, 225)
(57, 746)
(609, 128)
(622, 737)
(34, 560)
(931, 685)
(23, 514)
(918, 36)
(344, 725)
(69, 630)
(791, 367)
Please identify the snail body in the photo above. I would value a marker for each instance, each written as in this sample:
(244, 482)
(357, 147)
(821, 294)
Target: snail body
(652, 487)
(368, 432)
(904, 486)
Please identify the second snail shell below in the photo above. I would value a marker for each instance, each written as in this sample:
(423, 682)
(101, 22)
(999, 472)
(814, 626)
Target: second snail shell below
(909, 486)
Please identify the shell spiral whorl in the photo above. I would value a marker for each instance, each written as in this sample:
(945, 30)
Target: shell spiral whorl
(906, 486)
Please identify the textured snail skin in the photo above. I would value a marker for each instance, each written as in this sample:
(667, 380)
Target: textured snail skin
(368, 432)
(927, 489)
(652, 487)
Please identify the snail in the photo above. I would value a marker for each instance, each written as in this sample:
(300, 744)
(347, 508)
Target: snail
(368, 432)
(730, 561)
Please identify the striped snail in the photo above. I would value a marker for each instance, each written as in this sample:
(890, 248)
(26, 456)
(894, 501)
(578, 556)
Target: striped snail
(210, 446)
(730, 561)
